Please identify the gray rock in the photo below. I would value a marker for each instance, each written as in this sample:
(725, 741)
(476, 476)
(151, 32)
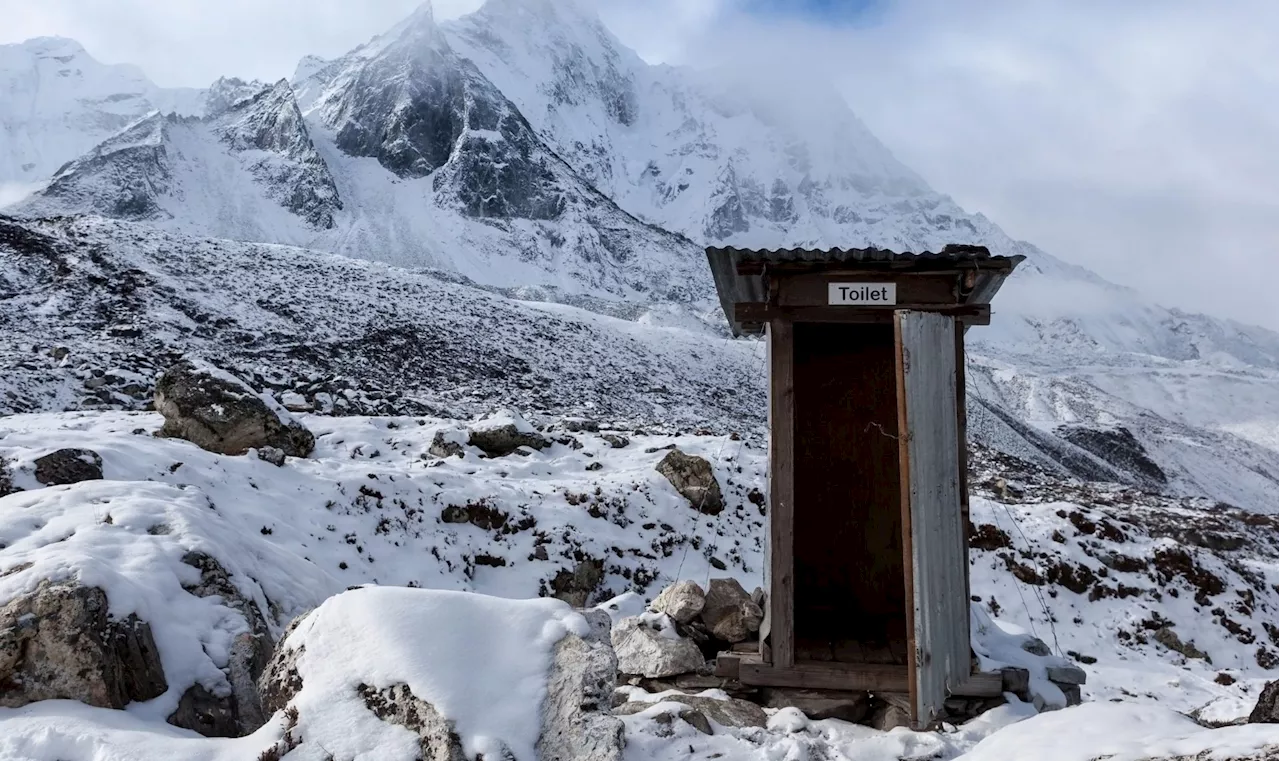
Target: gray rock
(501, 441)
(665, 718)
(68, 466)
(1169, 638)
(442, 447)
(643, 650)
(239, 712)
(694, 479)
(1036, 646)
(222, 414)
(615, 441)
(576, 724)
(1066, 674)
(438, 739)
(1264, 712)
(733, 712)
(888, 716)
(579, 424)
(59, 643)
(1072, 693)
(273, 455)
(682, 601)
(576, 586)
(729, 613)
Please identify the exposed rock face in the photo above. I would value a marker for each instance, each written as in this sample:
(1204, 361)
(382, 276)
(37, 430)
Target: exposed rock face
(682, 601)
(240, 711)
(729, 613)
(59, 643)
(443, 446)
(645, 649)
(693, 477)
(576, 725)
(222, 414)
(575, 587)
(68, 466)
(1170, 639)
(1265, 711)
(437, 738)
(273, 455)
(1119, 448)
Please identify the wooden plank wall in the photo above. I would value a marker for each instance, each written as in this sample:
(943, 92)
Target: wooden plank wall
(938, 558)
(781, 493)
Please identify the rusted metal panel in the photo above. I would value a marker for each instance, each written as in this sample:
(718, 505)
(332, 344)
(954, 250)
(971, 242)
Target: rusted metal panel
(940, 610)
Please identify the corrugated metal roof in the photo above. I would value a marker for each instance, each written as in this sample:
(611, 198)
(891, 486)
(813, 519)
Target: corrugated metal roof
(734, 287)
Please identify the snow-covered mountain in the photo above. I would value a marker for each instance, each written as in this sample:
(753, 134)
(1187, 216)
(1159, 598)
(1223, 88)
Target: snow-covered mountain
(57, 102)
(524, 148)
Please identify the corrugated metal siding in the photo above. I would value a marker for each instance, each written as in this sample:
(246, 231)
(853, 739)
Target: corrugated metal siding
(938, 556)
(734, 288)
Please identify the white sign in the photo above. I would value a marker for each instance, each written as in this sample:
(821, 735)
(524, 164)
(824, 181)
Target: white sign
(847, 294)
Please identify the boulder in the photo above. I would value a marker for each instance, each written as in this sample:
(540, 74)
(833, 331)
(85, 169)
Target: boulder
(729, 613)
(682, 601)
(503, 433)
(59, 643)
(272, 455)
(68, 466)
(694, 479)
(1265, 710)
(576, 586)
(667, 715)
(1036, 646)
(649, 646)
(239, 711)
(1166, 636)
(221, 413)
(615, 441)
(443, 445)
(1073, 675)
(576, 723)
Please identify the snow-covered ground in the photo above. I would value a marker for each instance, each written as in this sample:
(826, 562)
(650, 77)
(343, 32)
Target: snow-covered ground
(372, 506)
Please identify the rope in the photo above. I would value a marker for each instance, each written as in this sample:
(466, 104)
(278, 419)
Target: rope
(719, 452)
(1044, 606)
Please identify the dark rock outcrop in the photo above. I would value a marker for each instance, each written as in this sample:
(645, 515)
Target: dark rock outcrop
(68, 466)
(60, 643)
(729, 613)
(222, 414)
(240, 711)
(1265, 710)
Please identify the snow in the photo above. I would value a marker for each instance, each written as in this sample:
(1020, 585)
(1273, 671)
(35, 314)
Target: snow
(480, 661)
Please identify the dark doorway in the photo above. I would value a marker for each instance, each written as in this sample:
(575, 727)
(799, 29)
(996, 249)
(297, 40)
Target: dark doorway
(850, 598)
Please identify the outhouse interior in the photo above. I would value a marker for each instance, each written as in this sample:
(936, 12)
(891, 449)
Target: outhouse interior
(867, 570)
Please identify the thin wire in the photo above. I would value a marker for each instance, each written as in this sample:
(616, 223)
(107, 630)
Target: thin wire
(701, 502)
(1044, 606)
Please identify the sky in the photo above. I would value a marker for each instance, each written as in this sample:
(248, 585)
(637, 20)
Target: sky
(1136, 138)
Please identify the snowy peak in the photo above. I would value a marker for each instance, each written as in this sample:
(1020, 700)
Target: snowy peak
(157, 167)
(57, 102)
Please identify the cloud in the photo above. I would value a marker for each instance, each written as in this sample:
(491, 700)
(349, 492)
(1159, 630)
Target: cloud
(1136, 138)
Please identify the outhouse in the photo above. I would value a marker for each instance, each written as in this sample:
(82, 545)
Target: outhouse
(867, 551)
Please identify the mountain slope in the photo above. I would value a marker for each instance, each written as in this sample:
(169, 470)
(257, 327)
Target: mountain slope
(57, 102)
(408, 155)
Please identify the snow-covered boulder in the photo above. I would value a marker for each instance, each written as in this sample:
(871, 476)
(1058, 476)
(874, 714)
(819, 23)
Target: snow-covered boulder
(682, 601)
(693, 477)
(68, 466)
(648, 645)
(722, 709)
(504, 432)
(59, 643)
(466, 674)
(221, 413)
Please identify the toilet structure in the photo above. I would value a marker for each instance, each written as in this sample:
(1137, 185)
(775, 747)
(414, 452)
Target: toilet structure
(867, 566)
